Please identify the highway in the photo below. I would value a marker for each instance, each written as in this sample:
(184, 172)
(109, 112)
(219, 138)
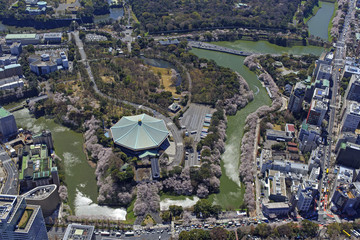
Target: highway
(171, 126)
(338, 62)
(11, 183)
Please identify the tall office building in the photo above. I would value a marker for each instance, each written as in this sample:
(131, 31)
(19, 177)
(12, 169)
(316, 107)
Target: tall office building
(20, 221)
(323, 71)
(8, 126)
(348, 155)
(309, 137)
(353, 89)
(351, 116)
(297, 97)
(316, 112)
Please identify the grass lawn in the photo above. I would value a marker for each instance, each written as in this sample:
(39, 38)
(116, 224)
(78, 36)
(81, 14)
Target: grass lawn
(172, 197)
(130, 216)
(25, 218)
(148, 220)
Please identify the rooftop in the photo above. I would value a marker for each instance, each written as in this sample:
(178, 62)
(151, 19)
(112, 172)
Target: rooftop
(4, 112)
(310, 128)
(35, 162)
(319, 105)
(52, 35)
(325, 68)
(41, 192)
(277, 133)
(78, 232)
(354, 108)
(12, 66)
(7, 202)
(290, 127)
(276, 205)
(21, 36)
(345, 175)
(352, 69)
(139, 132)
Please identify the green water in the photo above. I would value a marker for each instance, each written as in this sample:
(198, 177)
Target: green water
(231, 190)
(79, 176)
(318, 25)
(68, 146)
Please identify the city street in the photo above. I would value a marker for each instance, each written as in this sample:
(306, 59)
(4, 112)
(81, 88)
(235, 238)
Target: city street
(11, 183)
(339, 59)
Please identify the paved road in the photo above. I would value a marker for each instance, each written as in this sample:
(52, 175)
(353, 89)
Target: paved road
(193, 120)
(11, 183)
(338, 63)
(171, 126)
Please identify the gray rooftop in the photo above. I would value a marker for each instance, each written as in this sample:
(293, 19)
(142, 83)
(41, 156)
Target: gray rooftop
(78, 232)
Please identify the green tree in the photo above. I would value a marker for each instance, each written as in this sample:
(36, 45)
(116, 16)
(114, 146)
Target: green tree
(195, 234)
(219, 233)
(166, 216)
(263, 230)
(176, 210)
(203, 208)
(309, 229)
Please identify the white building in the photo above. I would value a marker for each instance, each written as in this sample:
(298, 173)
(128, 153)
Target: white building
(52, 37)
(305, 195)
(11, 82)
(305, 200)
(48, 62)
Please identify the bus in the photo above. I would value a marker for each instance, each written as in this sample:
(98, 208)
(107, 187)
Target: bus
(129, 234)
(104, 233)
(327, 171)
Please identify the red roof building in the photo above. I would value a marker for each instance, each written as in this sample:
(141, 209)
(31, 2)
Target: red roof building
(290, 128)
(293, 149)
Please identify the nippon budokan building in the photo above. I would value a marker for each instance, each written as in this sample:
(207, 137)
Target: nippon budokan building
(140, 135)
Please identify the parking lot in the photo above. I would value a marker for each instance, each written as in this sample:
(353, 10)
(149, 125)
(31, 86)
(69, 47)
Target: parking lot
(192, 124)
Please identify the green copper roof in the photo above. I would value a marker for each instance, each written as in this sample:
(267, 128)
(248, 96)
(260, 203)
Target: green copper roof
(20, 36)
(3, 112)
(139, 132)
(326, 83)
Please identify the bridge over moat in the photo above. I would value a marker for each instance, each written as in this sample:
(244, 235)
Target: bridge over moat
(213, 47)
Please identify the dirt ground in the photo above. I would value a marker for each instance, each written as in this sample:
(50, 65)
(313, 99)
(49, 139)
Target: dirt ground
(107, 79)
(166, 74)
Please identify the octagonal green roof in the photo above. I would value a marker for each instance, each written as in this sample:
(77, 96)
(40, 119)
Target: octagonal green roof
(139, 132)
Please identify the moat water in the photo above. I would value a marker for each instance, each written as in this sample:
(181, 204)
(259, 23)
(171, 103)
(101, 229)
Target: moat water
(318, 24)
(79, 176)
(231, 190)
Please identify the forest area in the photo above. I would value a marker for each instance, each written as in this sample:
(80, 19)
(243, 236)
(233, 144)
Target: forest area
(164, 15)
